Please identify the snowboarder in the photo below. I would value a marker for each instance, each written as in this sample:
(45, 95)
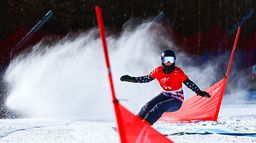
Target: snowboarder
(170, 78)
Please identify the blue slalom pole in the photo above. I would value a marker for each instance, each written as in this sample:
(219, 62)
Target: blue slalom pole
(161, 16)
(240, 22)
(28, 36)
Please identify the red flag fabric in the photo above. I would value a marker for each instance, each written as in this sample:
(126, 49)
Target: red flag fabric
(138, 131)
(198, 108)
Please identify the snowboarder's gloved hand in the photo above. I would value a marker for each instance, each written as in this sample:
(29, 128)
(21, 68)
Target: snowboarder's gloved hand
(203, 94)
(128, 78)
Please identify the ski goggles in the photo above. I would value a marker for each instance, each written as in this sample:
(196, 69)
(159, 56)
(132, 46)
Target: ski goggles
(165, 60)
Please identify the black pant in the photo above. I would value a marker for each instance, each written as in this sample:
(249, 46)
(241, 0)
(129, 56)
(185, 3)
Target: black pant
(154, 109)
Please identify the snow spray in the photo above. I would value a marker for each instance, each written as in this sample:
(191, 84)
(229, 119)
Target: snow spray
(68, 79)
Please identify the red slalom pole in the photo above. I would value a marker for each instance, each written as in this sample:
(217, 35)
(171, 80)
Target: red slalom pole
(114, 99)
(228, 71)
(233, 52)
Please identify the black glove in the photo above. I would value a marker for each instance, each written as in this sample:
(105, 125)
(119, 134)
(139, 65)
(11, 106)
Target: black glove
(203, 94)
(128, 78)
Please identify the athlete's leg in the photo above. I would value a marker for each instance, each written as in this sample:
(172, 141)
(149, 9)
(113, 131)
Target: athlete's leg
(156, 112)
(152, 103)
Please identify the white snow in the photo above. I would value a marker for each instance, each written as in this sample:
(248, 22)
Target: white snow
(239, 118)
(54, 131)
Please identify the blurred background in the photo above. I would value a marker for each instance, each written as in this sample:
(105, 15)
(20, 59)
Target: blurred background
(204, 29)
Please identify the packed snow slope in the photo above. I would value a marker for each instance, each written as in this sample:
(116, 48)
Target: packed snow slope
(235, 118)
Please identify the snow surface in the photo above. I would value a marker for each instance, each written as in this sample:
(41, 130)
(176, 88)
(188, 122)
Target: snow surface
(239, 118)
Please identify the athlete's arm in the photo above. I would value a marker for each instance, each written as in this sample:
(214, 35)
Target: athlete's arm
(141, 79)
(190, 84)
